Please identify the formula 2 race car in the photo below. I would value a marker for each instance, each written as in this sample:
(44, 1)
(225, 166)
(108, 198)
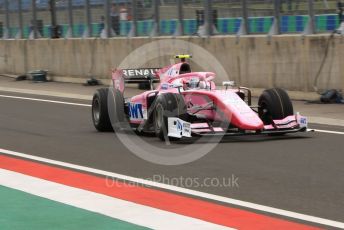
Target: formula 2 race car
(187, 103)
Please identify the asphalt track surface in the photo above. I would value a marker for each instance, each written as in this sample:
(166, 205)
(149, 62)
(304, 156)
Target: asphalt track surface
(300, 172)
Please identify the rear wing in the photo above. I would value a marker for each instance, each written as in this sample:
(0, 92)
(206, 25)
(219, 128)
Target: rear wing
(120, 77)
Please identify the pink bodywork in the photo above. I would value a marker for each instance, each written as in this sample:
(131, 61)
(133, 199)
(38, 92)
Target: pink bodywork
(232, 107)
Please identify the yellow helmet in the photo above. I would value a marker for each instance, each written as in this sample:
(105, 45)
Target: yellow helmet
(183, 56)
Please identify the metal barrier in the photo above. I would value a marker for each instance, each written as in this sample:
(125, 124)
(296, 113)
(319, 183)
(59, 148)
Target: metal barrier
(111, 18)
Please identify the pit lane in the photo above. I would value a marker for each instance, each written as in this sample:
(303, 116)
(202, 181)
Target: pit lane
(300, 172)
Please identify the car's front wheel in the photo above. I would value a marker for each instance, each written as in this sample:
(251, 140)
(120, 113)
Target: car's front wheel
(274, 104)
(168, 105)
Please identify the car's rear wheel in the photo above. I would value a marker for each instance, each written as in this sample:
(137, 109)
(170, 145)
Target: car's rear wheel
(168, 105)
(116, 110)
(100, 114)
(274, 104)
(107, 110)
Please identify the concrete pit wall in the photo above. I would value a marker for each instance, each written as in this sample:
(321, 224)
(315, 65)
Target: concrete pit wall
(287, 61)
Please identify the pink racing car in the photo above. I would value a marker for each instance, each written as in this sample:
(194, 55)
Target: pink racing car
(187, 103)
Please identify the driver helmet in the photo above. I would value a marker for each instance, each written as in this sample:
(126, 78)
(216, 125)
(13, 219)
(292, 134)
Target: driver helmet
(194, 83)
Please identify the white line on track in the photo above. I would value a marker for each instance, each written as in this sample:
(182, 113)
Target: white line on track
(328, 131)
(209, 196)
(43, 100)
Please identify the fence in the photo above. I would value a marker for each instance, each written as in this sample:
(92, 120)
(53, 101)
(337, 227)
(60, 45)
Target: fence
(111, 18)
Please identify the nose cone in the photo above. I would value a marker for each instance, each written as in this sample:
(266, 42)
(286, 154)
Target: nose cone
(240, 114)
(252, 122)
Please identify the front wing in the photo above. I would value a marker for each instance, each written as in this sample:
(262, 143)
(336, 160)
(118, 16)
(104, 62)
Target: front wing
(291, 124)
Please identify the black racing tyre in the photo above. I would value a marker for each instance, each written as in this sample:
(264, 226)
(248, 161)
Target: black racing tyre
(100, 114)
(116, 110)
(274, 104)
(168, 105)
